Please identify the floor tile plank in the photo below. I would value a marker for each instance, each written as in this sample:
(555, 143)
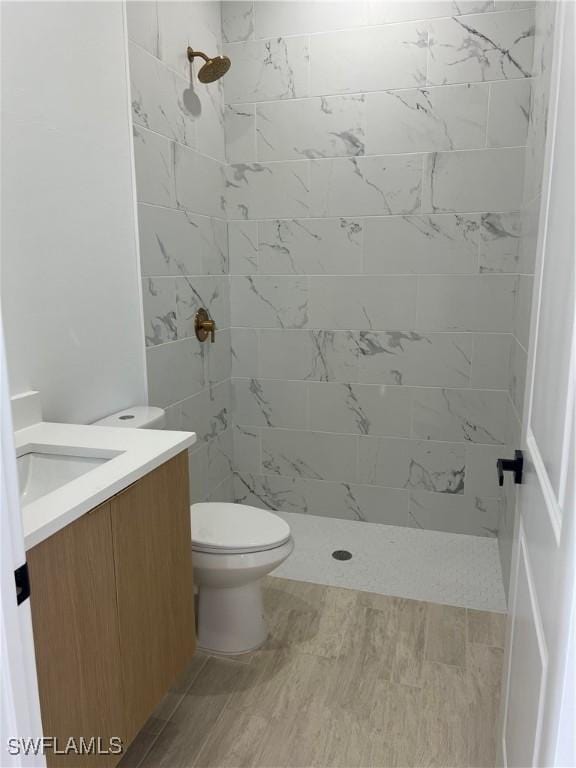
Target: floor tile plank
(486, 628)
(484, 680)
(446, 635)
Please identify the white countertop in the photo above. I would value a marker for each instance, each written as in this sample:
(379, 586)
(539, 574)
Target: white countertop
(139, 451)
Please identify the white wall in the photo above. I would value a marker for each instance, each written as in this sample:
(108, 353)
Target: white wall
(70, 276)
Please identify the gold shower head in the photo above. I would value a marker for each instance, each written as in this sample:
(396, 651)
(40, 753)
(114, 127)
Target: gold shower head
(213, 69)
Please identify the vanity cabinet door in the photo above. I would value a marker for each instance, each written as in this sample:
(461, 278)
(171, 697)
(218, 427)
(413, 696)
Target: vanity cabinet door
(153, 559)
(75, 622)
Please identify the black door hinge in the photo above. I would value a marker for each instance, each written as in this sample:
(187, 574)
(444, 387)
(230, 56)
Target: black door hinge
(515, 465)
(22, 583)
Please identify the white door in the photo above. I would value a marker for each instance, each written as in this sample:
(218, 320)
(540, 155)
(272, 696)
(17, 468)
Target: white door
(538, 722)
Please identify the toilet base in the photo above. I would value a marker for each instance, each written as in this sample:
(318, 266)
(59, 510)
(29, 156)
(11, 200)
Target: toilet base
(231, 619)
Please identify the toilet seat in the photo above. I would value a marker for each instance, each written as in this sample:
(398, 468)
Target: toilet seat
(235, 529)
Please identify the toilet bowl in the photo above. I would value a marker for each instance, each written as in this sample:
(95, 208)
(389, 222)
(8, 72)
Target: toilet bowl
(234, 546)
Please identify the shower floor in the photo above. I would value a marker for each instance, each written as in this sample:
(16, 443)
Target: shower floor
(433, 566)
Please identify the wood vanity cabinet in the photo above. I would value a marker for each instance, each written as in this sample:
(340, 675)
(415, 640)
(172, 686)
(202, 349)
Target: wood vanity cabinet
(113, 612)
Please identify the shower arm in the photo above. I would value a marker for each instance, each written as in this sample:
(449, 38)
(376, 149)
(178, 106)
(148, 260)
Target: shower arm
(192, 55)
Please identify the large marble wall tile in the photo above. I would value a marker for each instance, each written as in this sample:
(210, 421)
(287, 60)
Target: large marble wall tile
(374, 59)
(267, 191)
(298, 17)
(209, 413)
(267, 403)
(426, 119)
(372, 504)
(315, 455)
(346, 501)
(237, 20)
(208, 99)
(490, 46)
(199, 182)
(180, 243)
(509, 113)
(537, 129)
(475, 516)
(436, 244)
(243, 247)
(153, 155)
(181, 24)
(286, 354)
(269, 302)
(513, 429)
(410, 358)
(364, 186)
(219, 460)
(500, 242)
(240, 130)
(476, 180)
(219, 358)
(481, 474)
(362, 302)
(466, 303)
(490, 359)
(159, 309)
(175, 371)
(309, 355)
(193, 293)
(327, 126)
(473, 415)
(413, 464)
(517, 384)
(197, 471)
(267, 69)
(270, 492)
(310, 246)
(387, 11)
(158, 98)
(223, 492)
(360, 409)
(244, 352)
(529, 241)
(142, 23)
(195, 415)
(246, 445)
(514, 5)
(523, 309)
(334, 356)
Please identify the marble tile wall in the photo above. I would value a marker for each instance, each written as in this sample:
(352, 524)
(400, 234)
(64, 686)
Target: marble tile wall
(374, 196)
(180, 157)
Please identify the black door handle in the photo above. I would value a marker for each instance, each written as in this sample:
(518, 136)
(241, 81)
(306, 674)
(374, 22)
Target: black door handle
(515, 465)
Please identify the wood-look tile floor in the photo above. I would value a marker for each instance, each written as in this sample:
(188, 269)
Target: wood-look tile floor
(345, 679)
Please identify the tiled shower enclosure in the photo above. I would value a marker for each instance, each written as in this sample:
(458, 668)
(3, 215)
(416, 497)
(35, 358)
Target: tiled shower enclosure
(355, 205)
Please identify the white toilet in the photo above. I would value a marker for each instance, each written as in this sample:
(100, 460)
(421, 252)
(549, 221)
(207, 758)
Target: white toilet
(234, 547)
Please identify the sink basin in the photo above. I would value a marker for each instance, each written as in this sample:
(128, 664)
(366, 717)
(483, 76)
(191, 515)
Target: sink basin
(41, 473)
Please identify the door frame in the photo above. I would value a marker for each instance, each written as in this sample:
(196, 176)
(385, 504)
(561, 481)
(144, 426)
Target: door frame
(20, 704)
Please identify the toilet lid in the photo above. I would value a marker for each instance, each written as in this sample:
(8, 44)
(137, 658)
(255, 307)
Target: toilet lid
(236, 528)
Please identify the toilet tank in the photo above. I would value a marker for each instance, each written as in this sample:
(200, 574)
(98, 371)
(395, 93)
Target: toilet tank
(138, 417)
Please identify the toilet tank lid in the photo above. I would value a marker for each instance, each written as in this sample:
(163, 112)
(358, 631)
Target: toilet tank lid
(221, 525)
(137, 417)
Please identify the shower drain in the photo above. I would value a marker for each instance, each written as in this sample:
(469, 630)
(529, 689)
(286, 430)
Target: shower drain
(342, 554)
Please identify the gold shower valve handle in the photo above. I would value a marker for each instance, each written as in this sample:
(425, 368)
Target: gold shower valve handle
(204, 326)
